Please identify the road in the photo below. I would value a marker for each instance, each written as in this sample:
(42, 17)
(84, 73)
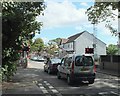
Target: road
(105, 85)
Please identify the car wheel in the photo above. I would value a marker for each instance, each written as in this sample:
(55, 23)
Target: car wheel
(91, 81)
(49, 72)
(69, 80)
(58, 75)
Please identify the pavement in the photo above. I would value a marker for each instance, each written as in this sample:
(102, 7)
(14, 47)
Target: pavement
(25, 80)
(108, 72)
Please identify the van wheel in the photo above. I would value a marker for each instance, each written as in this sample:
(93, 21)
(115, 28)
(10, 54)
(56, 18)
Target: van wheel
(58, 75)
(91, 81)
(69, 80)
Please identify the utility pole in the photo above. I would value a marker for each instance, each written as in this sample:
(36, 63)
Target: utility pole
(95, 39)
(118, 28)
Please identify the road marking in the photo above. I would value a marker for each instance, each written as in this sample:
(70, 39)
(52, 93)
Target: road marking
(54, 91)
(48, 84)
(50, 87)
(114, 93)
(97, 79)
(39, 84)
(42, 87)
(45, 81)
(102, 93)
(44, 91)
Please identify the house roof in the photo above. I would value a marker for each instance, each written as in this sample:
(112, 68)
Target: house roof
(72, 38)
(63, 40)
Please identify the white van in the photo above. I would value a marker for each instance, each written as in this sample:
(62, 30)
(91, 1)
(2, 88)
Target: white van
(77, 67)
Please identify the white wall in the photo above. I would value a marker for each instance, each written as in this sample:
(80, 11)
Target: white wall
(69, 46)
(85, 41)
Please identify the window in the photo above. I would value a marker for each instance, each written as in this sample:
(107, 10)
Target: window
(86, 61)
(55, 61)
(62, 61)
(66, 61)
(68, 45)
(78, 61)
(69, 61)
(71, 45)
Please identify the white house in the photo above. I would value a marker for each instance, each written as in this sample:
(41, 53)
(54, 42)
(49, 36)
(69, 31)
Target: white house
(78, 42)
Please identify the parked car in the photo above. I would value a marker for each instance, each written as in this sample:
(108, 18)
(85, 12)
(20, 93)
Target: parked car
(51, 65)
(77, 67)
(40, 58)
(34, 57)
(37, 58)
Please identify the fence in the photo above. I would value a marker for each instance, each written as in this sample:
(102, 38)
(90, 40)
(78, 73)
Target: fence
(110, 62)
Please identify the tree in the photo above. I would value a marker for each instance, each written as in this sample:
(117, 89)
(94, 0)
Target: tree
(52, 47)
(18, 21)
(37, 45)
(101, 11)
(57, 40)
(112, 49)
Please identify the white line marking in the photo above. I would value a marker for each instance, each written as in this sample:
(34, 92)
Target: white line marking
(41, 87)
(54, 91)
(39, 84)
(97, 79)
(103, 93)
(45, 81)
(50, 87)
(114, 93)
(48, 84)
(44, 91)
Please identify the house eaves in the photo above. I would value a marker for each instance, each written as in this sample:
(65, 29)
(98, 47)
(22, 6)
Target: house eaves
(72, 38)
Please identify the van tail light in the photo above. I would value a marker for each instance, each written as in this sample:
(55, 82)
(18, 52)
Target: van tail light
(72, 70)
(94, 68)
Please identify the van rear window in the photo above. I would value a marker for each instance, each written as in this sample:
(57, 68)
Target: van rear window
(84, 61)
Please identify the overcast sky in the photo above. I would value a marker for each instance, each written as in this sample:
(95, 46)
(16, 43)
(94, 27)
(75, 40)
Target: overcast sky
(65, 18)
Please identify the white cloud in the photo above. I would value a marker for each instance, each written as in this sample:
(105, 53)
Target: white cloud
(45, 40)
(84, 4)
(65, 13)
(62, 14)
(105, 31)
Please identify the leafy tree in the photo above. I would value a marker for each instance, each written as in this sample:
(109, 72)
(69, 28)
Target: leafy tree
(51, 47)
(18, 21)
(37, 45)
(112, 49)
(101, 11)
(57, 40)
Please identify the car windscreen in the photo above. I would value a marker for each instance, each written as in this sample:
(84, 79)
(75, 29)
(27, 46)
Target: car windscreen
(84, 61)
(54, 61)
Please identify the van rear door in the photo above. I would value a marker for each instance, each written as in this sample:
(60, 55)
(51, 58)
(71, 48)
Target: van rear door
(84, 64)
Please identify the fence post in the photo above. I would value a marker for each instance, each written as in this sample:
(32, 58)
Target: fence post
(111, 58)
